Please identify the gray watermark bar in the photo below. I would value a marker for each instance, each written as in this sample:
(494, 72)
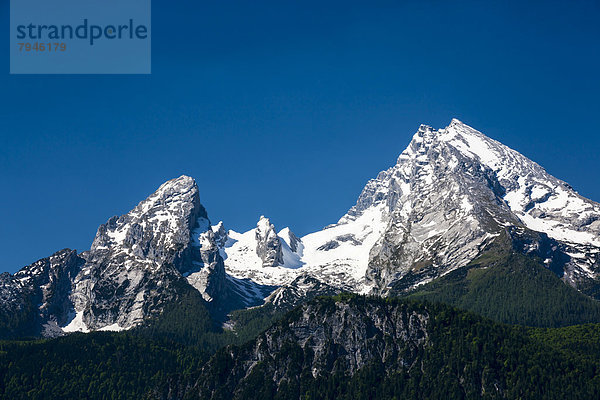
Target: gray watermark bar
(80, 37)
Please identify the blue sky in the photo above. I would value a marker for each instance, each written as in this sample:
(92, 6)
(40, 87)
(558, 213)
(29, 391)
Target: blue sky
(287, 110)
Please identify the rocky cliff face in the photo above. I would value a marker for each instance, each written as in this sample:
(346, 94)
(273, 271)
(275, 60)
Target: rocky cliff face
(37, 298)
(302, 289)
(367, 347)
(135, 258)
(451, 194)
(453, 191)
(208, 276)
(132, 270)
(268, 245)
(322, 338)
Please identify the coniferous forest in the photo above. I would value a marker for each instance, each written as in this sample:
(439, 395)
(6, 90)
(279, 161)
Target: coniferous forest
(466, 356)
(300, 200)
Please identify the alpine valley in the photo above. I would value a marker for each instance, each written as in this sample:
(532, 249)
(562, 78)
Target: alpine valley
(465, 270)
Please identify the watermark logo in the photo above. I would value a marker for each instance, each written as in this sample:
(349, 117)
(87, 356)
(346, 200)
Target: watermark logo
(80, 37)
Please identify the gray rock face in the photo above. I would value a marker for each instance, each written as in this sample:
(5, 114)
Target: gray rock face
(158, 229)
(209, 279)
(443, 210)
(39, 294)
(294, 241)
(13, 294)
(452, 192)
(135, 258)
(325, 338)
(268, 246)
(220, 234)
(133, 269)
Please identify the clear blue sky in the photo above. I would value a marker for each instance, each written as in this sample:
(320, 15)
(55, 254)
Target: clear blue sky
(287, 110)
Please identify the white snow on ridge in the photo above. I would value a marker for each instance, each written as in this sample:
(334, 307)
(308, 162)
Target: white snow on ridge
(557, 231)
(118, 236)
(242, 261)
(430, 213)
(76, 324)
(291, 259)
(113, 328)
(349, 242)
(341, 249)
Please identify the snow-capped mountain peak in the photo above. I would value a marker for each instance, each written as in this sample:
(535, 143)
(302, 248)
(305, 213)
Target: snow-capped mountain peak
(451, 195)
(166, 216)
(136, 256)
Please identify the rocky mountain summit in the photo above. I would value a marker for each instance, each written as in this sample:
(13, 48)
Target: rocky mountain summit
(134, 268)
(452, 195)
(136, 256)
(454, 190)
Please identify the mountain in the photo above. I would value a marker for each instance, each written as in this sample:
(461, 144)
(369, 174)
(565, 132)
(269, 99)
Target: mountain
(35, 301)
(452, 196)
(136, 266)
(454, 191)
(353, 347)
(197, 310)
(455, 204)
(511, 287)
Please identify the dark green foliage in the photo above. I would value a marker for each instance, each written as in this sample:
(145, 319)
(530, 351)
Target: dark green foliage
(513, 289)
(186, 321)
(19, 323)
(467, 357)
(250, 322)
(163, 356)
(95, 366)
